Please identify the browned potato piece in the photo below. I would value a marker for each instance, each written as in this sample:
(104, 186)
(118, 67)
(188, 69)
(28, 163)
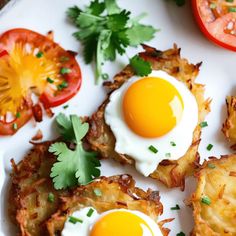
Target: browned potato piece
(115, 192)
(101, 138)
(216, 187)
(29, 206)
(229, 126)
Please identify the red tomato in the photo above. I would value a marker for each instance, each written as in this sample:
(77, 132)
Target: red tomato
(217, 20)
(31, 63)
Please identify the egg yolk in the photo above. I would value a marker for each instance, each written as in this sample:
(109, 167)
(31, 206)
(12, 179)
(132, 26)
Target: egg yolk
(121, 223)
(152, 107)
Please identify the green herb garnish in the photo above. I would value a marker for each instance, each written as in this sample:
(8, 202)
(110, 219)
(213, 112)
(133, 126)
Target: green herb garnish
(180, 3)
(63, 85)
(206, 200)
(175, 208)
(203, 124)
(153, 149)
(76, 166)
(74, 220)
(173, 144)
(39, 54)
(49, 80)
(211, 166)
(180, 234)
(209, 147)
(51, 197)
(232, 9)
(65, 70)
(106, 30)
(97, 192)
(65, 107)
(15, 126)
(90, 212)
(18, 115)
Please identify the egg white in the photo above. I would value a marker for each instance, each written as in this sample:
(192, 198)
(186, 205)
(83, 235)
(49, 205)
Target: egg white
(135, 146)
(83, 229)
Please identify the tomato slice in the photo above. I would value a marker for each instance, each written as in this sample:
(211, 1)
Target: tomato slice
(31, 63)
(217, 20)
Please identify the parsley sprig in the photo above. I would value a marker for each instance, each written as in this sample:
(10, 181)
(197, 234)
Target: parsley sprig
(105, 30)
(76, 166)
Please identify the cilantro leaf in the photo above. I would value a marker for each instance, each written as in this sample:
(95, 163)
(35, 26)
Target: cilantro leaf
(73, 13)
(140, 66)
(106, 30)
(96, 8)
(76, 166)
(112, 7)
(140, 33)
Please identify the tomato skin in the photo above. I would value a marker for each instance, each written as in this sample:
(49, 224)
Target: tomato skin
(231, 42)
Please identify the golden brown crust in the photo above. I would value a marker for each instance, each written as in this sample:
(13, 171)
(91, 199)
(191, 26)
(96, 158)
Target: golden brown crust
(28, 199)
(217, 181)
(229, 126)
(101, 139)
(116, 192)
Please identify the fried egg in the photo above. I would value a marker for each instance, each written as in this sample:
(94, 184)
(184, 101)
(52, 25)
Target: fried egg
(152, 118)
(119, 222)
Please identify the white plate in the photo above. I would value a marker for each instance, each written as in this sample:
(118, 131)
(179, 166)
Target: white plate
(177, 25)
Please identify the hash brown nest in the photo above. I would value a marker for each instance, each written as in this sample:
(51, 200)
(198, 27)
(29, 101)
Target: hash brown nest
(102, 140)
(217, 181)
(229, 126)
(30, 209)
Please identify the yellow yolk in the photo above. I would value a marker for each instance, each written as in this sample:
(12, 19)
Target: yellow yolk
(152, 107)
(120, 223)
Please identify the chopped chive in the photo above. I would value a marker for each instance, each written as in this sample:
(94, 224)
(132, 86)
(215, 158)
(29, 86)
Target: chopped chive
(49, 80)
(211, 166)
(203, 124)
(173, 144)
(175, 208)
(168, 154)
(232, 9)
(229, 0)
(90, 212)
(39, 54)
(65, 70)
(153, 149)
(14, 126)
(213, 5)
(65, 107)
(105, 76)
(209, 147)
(180, 234)
(18, 115)
(74, 220)
(206, 200)
(97, 192)
(64, 59)
(63, 85)
(51, 197)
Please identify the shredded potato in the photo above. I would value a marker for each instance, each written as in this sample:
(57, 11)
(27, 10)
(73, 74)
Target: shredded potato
(216, 182)
(101, 138)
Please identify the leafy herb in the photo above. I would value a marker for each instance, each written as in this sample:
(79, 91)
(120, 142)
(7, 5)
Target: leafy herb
(232, 9)
(18, 115)
(51, 197)
(175, 208)
(206, 200)
(203, 124)
(209, 147)
(63, 85)
(90, 212)
(180, 234)
(153, 149)
(97, 192)
(74, 220)
(76, 166)
(66, 106)
(39, 54)
(180, 3)
(106, 30)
